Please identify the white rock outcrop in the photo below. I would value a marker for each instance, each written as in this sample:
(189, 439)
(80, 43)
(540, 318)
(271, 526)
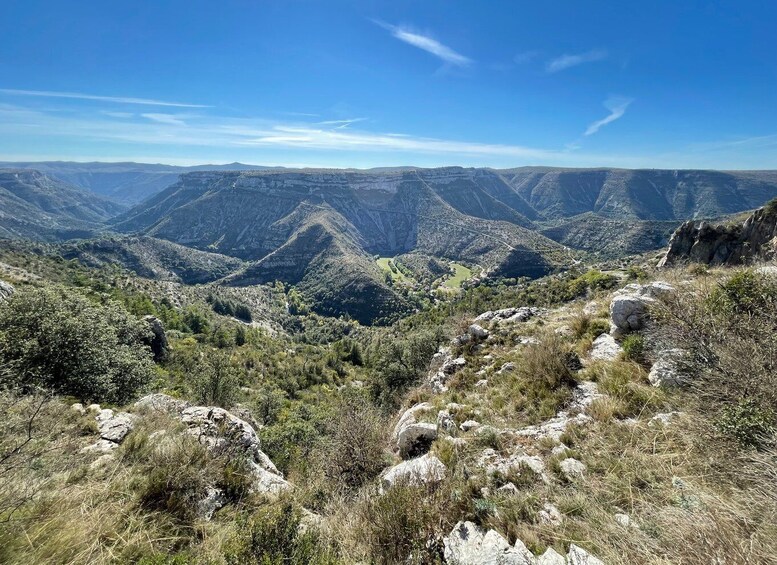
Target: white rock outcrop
(6, 290)
(630, 305)
(117, 427)
(223, 433)
(572, 469)
(411, 437)
(426, 469)
(668, 370)
(605, 348)
(469, 544)
(579, 556)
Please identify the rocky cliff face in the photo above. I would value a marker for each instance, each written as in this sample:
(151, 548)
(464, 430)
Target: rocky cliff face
(725, 244)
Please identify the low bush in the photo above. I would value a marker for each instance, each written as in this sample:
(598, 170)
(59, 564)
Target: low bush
(273, 536)
(58, 339)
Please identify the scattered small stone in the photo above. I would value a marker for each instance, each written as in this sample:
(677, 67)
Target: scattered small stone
(605, 348)
(507, 367)
(445, 422)
(482, 383)
(469, 425)
(623, 520)
(664, 418)
(214, 499)
(550, 515)
(508, 489)
(563, 331)
(572, 468)
(477, 331)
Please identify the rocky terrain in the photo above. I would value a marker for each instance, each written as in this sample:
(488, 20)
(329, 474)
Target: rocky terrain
(725, 244)
(585, 417)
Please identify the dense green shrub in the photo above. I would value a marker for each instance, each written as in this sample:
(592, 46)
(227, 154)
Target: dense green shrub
(400, 363)
(56, 338)
(634, 348)
(272, 536)
(215, 380)
(750, 424)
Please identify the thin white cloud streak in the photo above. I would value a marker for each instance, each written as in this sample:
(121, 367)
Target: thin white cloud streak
(568, 61)
(208, 131)
(427, 44)
(221, 139)
(341, 124)
(165, 119)
(617, 108)
(114, 99)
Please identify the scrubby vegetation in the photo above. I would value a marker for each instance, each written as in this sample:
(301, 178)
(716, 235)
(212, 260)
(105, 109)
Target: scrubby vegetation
(691, 467)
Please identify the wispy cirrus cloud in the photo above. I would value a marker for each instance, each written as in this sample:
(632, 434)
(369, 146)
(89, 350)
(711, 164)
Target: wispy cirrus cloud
(165, 119)
(341, 124)
(426, 43)
(617, 106)
(567, 61)
(95, 97)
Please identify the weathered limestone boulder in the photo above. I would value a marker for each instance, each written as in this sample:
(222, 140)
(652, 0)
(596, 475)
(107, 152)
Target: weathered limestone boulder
(103, 414)
(572, 469)
(724, 244)
(579, 556)
(213, 500)
(6, 290)
(426, 469)
(416, 439)
(478, 332)
(510, 315)
(668, 370)
(630, 305)
(412, 438)
(223, 433)
(550, 515)
(468, 544)
(443, 367)
(469, 425)
(494, 463)
(553, 428)
(117, 427)
(158, 341)
(445, 422)
(162, 403)
(605, 348)
(623, 520)
(101, 446)
(551, 557)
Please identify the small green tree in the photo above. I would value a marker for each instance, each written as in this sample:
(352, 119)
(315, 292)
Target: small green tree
(216, 380)
(56, 338)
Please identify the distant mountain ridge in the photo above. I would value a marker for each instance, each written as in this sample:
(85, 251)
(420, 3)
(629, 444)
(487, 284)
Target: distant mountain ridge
(126, 183)
(34, 205)
(321, 229)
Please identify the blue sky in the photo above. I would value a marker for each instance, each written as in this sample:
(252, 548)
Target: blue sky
(366, 83)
